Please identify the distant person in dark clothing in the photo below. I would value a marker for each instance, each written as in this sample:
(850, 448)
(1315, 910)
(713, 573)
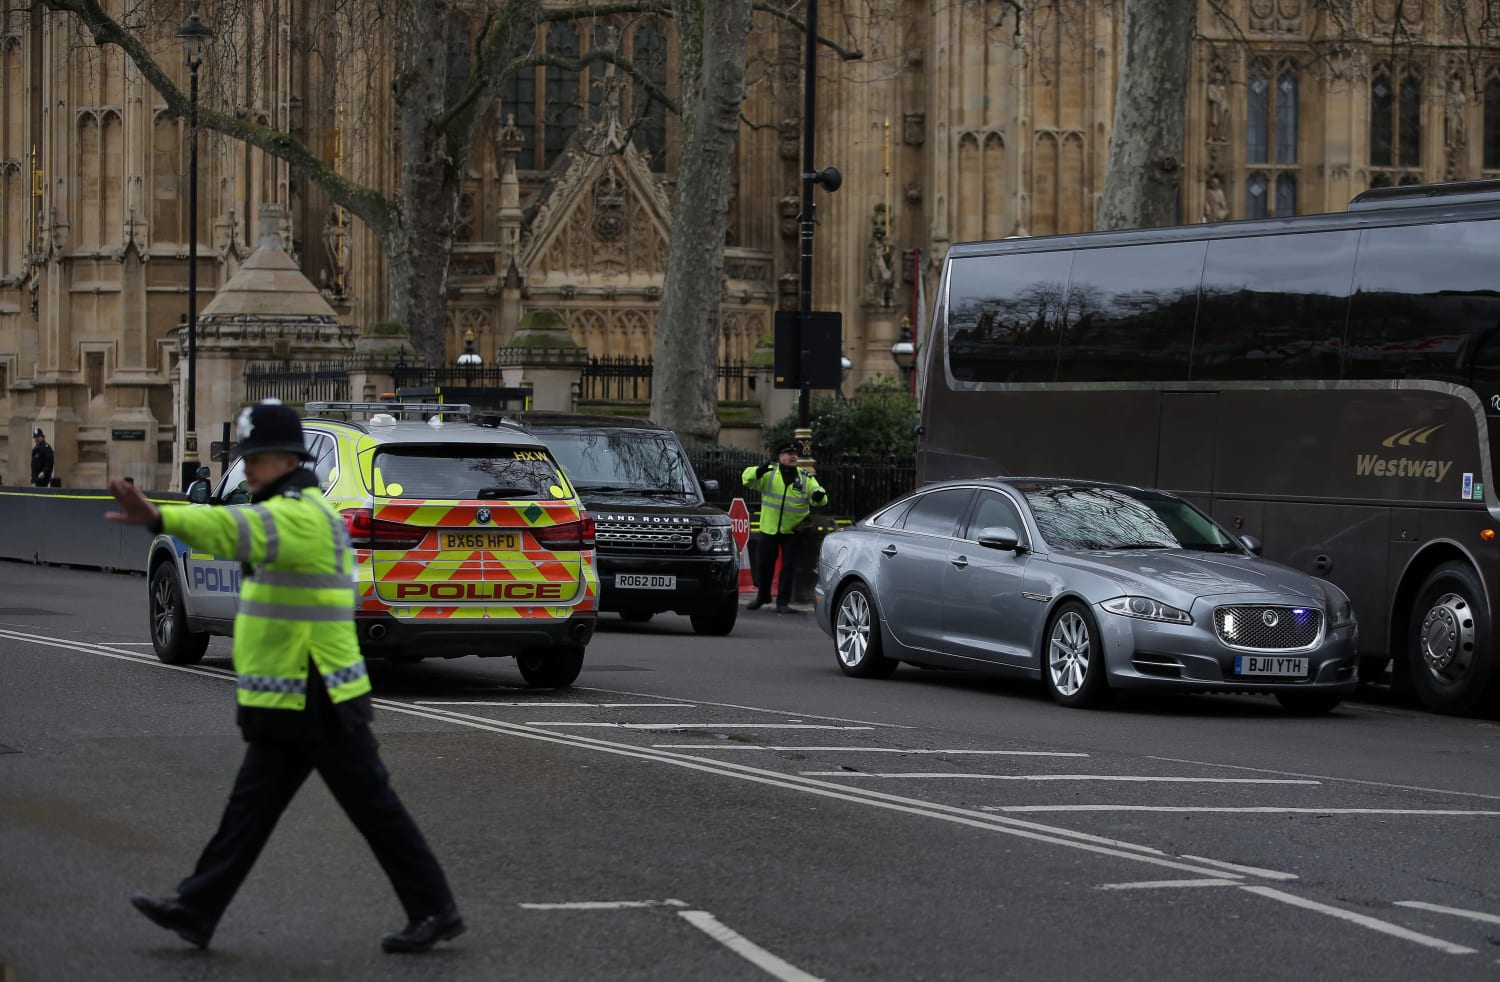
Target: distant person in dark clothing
(41, 459)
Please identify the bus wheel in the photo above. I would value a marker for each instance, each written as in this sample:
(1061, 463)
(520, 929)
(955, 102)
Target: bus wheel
(1450, 662)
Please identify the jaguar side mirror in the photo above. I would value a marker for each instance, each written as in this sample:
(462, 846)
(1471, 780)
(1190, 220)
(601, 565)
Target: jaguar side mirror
(1252, 543)
(1002, 538)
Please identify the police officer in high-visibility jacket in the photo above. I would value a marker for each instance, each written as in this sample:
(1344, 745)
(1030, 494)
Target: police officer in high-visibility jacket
(303, 692)
(787, 494)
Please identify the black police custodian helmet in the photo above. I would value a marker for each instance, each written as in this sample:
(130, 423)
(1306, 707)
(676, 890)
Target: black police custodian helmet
(270, 427)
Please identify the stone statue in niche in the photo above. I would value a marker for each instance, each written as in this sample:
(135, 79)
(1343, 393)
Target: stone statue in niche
(1215, 202)
(882, 276)
(1218, 104)
(336, 250)
(1455, 128)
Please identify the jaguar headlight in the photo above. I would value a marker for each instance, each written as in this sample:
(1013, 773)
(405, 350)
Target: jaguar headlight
(1146, 609)
(1341, 613)
(713, 538)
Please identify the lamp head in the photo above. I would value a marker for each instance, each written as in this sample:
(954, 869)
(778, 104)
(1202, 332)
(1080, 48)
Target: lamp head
(193, 36)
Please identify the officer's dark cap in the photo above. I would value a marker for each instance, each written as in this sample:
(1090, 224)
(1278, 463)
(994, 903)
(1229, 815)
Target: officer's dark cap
(790, 448)
(270, 427)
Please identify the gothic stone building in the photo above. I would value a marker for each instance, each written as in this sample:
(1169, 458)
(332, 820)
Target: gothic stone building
(956, 124)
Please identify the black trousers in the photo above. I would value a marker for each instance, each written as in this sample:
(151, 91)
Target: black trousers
(789, 544)
(349, 763)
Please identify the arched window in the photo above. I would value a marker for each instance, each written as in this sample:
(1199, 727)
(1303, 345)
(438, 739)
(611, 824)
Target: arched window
(561, 92)
(1492, 124)
(1395, 127)
(518, 99)
(649, 53)
(1271, 141)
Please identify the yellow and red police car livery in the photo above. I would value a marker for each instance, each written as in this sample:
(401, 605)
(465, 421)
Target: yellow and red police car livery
(469, 540)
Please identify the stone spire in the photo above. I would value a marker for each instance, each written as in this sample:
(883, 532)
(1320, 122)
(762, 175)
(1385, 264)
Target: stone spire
(269, 287)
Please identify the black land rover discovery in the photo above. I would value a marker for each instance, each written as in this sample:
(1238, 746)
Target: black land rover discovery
(660, 546)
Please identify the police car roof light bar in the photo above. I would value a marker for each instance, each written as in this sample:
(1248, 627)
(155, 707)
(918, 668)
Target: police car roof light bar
(397, 409)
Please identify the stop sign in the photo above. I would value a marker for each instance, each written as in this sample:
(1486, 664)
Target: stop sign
(739, 521)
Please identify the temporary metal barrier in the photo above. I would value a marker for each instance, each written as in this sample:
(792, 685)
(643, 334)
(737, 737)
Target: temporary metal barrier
(66, 527)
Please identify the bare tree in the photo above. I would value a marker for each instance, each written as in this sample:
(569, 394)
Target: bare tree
(1144, 176)
(712, 37)
(438, 119)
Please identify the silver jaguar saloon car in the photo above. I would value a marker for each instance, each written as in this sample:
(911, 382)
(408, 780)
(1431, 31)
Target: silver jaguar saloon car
(1087, 585)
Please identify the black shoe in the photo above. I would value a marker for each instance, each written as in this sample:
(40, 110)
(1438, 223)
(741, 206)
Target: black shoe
(420, 935)
(786, 609)
(193, 926)
(755, 604)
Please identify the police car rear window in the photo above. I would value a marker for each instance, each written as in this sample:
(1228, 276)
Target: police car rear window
(482, 472)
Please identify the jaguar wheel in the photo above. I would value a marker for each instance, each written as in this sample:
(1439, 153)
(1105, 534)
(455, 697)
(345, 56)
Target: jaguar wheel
(856, 635)
(1073, 657)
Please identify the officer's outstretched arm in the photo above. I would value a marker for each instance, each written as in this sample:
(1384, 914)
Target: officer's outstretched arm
(253, 534)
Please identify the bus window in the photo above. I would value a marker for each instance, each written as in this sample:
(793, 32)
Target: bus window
(1274, 306)
(1005, 315)
(1130, 313)
(1426, 299)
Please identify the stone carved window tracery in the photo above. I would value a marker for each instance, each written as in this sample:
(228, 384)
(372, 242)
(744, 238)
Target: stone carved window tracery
(1271, 128)
(563, 96)
(1395, 127)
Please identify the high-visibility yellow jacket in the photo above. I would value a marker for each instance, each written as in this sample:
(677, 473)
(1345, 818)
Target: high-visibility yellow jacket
(783, 504)
(297, 601)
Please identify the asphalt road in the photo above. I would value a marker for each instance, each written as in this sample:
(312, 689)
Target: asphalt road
(735, 809)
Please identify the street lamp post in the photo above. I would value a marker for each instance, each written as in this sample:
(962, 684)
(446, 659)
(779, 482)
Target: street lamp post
(193, 36)
(830, 178)
(904, 352)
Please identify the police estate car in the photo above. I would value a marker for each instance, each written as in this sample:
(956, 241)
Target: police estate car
(470, 540)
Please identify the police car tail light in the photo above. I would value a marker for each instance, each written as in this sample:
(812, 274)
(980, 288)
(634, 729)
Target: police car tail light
(569, 536)
(368, 532)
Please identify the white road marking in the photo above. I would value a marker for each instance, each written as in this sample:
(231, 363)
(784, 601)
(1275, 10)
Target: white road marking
(1472, 915)
(866, 750)
(970, 818)
(123, 644)
(703, 726)
(752, 709)
(541, 704)
(604, 904)
(1364, 920)
(1332, 780)
(745, 948)
(1248, 810)
(1137, 778)
(1267, 874)
(1169, 884)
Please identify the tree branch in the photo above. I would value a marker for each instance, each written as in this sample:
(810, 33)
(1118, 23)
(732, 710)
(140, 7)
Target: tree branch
(370, 205)
(846, 54)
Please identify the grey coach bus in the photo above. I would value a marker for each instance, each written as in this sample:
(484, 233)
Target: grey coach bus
(1328, 384)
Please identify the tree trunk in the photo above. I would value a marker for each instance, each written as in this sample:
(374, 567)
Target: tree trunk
(1144, 177)
(713, 38)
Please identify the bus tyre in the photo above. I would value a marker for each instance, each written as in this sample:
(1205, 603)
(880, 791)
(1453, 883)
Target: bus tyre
(551, 668)
(856, 635)
(1309, 703)
(174, 643)
(717, 621)
(1450, 663)
(1073, 658)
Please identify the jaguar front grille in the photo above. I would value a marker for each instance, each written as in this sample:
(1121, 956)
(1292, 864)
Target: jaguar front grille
(1268, 628)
